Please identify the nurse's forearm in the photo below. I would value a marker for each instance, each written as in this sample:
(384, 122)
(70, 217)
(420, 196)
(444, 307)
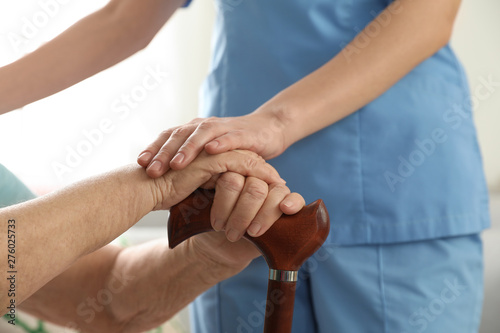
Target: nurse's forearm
(95, 43)
(356, 76)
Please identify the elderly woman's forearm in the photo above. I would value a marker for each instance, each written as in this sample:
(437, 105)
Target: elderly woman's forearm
(55, 230)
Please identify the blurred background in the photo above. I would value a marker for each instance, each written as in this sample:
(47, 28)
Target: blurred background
(56, 141)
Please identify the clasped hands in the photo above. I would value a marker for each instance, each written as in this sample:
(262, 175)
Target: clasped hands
(249, 193)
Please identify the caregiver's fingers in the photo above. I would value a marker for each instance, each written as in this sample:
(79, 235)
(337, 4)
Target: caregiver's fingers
(227, 191)
(249, 203)
(152, 149)
(232, 140)
(158, 150)
(161, 160)
(206, 131)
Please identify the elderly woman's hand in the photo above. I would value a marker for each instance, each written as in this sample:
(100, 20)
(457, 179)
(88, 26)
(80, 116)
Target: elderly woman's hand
(250, 195)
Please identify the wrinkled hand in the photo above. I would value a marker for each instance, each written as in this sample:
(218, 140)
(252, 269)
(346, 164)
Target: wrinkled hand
(238, 201)
(260, 132)
(248, 204)
(226, 258)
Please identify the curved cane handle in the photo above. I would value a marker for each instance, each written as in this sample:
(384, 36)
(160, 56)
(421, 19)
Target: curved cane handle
(285, 246)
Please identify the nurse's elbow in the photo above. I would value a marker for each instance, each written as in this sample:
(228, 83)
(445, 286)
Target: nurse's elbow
(436, 38)
(444, 36)
(446, 14)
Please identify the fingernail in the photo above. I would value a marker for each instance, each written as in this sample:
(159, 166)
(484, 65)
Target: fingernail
(178, 158)
(233, 235)
(214, 144)
(253, 229)
(218, 225)
(155, 166)
(283, 181)
(288, 203)
(144, 157)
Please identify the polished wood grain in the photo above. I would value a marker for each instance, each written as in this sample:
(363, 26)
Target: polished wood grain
(279, 307)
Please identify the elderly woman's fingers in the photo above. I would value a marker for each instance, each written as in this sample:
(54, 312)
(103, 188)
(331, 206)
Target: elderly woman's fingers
(292, 203)
(279, 201)
(227, 191)
(249, 203)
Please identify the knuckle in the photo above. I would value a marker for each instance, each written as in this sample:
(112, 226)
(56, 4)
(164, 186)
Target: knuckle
(180, 131)
(250, 154)
(281, 188)
(165, 152)
(252, 162)
(163, 155)
(238, 134)
(238, 223)
(245, 155)
(258, 146)
(231, 181)
(207, 124)
(257, 189)
(239, 139)
(166, 133)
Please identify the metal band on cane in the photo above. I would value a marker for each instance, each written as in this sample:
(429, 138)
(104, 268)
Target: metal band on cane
(286, 276)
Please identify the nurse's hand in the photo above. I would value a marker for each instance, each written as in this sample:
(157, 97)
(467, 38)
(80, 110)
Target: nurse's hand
(248, 204)
(262, 132)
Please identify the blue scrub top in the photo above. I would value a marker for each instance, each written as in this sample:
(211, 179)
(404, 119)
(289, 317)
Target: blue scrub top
(405, 167)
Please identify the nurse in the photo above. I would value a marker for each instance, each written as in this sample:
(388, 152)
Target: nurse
(354, 102)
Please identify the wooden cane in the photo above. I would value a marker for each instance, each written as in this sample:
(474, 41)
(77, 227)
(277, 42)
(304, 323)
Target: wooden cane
(285, 246)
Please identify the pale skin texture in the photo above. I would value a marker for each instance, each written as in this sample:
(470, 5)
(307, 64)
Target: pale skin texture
(64, 265)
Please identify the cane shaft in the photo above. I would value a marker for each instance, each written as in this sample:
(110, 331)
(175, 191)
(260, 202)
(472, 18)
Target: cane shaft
(279, 306)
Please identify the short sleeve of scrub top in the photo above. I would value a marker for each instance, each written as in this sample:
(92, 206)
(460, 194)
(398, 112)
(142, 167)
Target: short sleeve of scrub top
(12, 190)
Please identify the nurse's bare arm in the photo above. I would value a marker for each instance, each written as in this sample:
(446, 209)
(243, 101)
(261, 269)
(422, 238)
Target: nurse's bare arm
(93, 44)
(53, 231)
(362, 71)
